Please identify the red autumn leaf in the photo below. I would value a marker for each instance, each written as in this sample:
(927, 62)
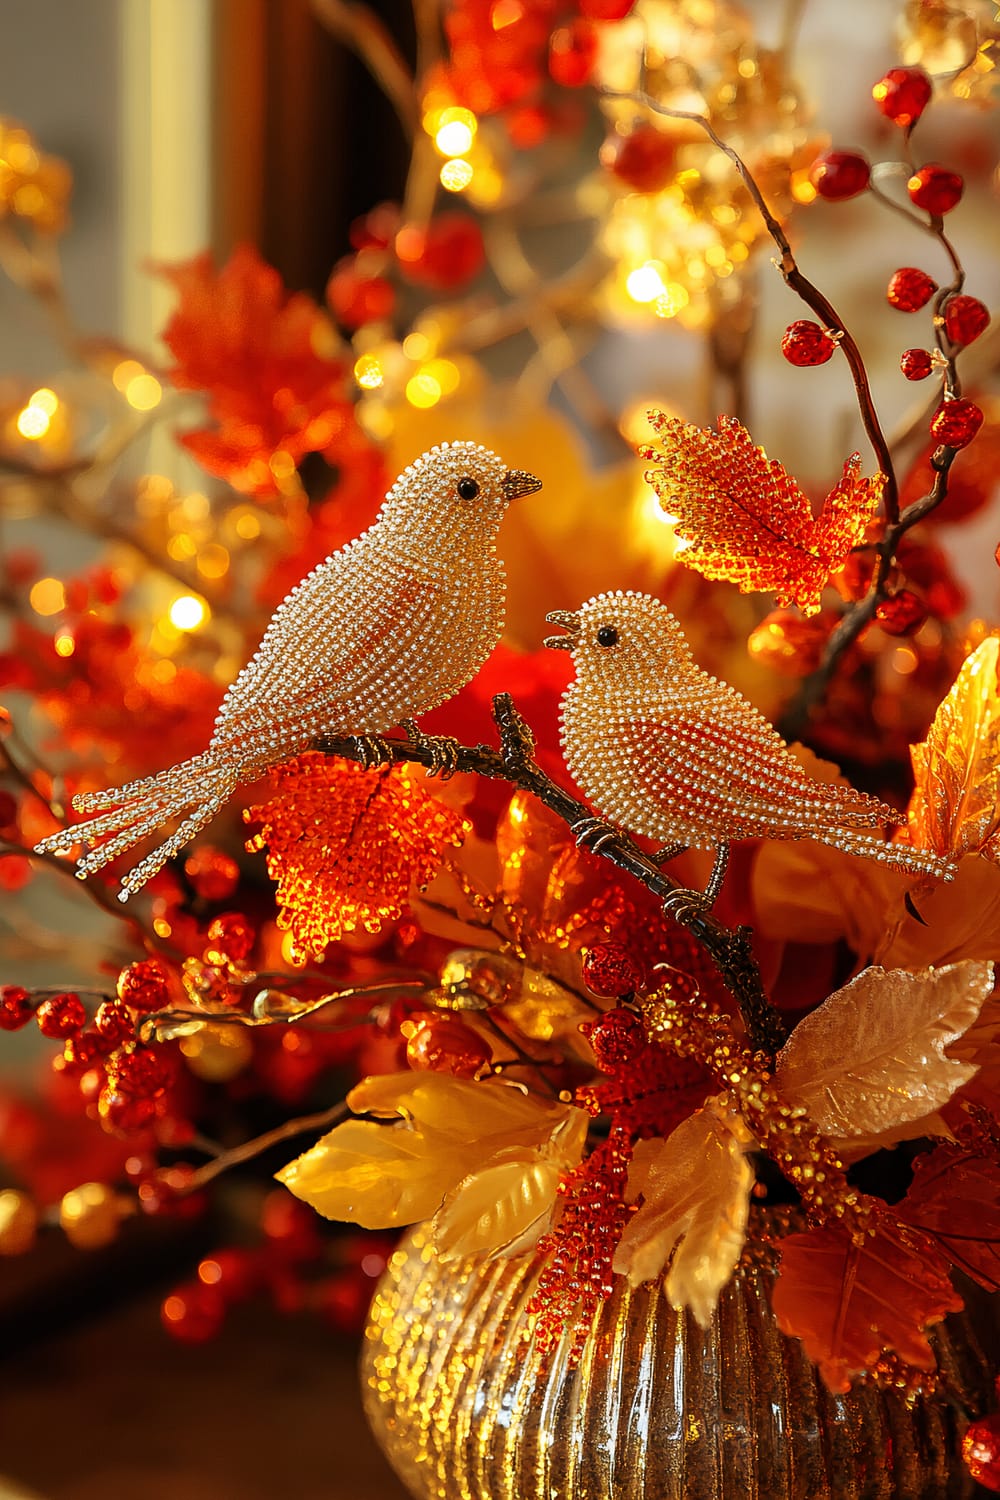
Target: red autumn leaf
(847, 1304)
(346, 845)
(745, 519)
(955, 1199)
(269, 363)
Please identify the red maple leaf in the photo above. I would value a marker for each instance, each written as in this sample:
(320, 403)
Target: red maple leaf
(746, 520)
(955, 1199)
(269, 363)
(848, 1303)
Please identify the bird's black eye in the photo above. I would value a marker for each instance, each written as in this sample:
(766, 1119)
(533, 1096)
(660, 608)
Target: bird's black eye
(607, 635)
(468, 489)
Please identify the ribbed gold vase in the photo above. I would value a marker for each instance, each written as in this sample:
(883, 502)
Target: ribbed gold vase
(656, 1409)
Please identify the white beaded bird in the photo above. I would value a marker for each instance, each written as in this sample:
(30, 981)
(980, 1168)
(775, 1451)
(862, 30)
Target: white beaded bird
(387, 628)
(664, 750)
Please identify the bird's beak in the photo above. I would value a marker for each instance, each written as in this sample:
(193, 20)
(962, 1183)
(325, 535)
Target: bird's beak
(517, 482)
(569, 620)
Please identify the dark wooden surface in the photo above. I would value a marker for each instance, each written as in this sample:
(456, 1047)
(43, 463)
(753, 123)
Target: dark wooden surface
(111, 1409)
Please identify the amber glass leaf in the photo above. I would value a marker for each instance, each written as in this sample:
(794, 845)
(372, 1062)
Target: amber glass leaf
(696, 1197)
(871, 1058)
(955, 1198)
(955, 807)
(445, 1130)
(746, 520)
(345, 846)
(847, 1304)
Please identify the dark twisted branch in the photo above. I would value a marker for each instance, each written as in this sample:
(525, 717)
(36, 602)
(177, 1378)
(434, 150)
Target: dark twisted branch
(860, 615)
(728, 948)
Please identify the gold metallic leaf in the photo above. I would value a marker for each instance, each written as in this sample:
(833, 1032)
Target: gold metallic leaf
(696, 1203)
(870, 1060)
(955, 807)
(506, 1206)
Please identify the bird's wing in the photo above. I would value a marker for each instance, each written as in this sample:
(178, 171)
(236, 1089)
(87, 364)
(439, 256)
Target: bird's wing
(338, 650)
(713, 776)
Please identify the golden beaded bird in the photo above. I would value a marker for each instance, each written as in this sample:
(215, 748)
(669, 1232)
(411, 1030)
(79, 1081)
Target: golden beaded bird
(387, 628)
(664, 750)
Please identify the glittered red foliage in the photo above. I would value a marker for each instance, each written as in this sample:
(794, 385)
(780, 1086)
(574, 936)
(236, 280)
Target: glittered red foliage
(112, 695)
(269, 363)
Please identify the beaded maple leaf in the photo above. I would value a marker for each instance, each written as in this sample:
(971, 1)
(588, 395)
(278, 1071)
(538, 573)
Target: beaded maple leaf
(745, 520)
(345, 845)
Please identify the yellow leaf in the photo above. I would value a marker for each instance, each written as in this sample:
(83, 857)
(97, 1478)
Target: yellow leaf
(955, 807)
(696, 1203)
(377, 1176)
(870, 1061)
(459, 1109)
(446, 1130)
(506, 1206)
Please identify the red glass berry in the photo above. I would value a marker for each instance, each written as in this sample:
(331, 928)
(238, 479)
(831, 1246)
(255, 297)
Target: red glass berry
(79, 1055)
(935, 189)
(805, 343)
(168, 1191)
(981, 1451)
(903, 95)
(916, 364)
(233, 1273)
(356, 299)
(16, 1009)
(572, 53)
(955, 423)
(343, 1300)
(124, 1114)
(838, 175)
(903, 614)
(440, 1043)
(644, 159)
(8, 810)
(610, 970)
(232, 934)
(144, 985)
(965, 318)
(141, 1071)
(289, 1226)
(617, 1039)
(910, 289)
(606, 10)
(61, 1016)
(114, 1022)
(193, 1313)
(445, 254)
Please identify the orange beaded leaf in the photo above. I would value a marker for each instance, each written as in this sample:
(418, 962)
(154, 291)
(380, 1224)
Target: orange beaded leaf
(345, 845)
(745, 520)
(955, 807)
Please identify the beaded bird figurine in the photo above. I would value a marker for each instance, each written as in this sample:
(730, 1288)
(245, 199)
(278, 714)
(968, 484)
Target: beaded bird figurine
(389, 627)
(665, 750)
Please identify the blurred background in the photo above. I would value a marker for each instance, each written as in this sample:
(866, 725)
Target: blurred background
(204, 125)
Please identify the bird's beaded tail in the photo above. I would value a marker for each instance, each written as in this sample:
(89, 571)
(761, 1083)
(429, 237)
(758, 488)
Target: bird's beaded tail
(194, 791)
(905, 857)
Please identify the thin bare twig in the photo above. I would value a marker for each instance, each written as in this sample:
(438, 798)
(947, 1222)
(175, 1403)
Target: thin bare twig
(361, 30)
(324, 1119)
(800, 284)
